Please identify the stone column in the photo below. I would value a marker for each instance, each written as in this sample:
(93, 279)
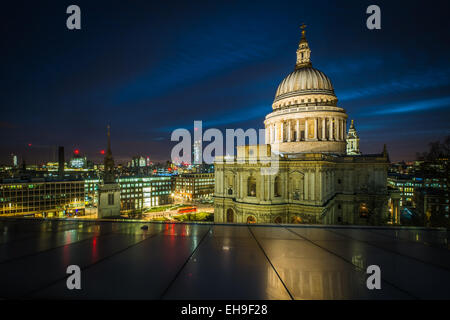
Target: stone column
(323, 129)
(335, 129)
(275, 132)
(345, 129)
(298, 130)
(267, 133)
(270, 134)
(338, 129)
(330, 124)
(306, 130)
(316, 128)
(289, 131)
(335, 132)
(282, 132)
(336, 121)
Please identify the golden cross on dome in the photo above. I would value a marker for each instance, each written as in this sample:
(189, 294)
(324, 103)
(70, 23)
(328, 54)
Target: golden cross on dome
(303, 27)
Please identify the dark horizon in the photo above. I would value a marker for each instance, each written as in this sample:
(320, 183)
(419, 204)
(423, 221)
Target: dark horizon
(148, 68)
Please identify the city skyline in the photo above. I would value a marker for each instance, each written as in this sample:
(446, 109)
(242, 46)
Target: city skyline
(279, 150)
(131, 64)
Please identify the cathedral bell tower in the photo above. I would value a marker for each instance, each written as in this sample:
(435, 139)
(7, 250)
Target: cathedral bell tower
(303, 51)
(109, 191)
(352, 141)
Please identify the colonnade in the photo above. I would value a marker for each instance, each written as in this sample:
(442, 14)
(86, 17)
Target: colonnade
(307, 129)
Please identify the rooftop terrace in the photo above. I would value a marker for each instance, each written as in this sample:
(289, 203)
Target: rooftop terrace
(119, 260)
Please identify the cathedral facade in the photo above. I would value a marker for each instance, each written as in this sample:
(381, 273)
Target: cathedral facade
(320, 177)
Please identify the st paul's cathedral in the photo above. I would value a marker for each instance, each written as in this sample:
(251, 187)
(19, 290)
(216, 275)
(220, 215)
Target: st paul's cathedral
(320, 178)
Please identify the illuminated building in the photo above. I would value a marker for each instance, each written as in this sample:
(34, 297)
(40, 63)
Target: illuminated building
(91, 191)
(78, 162)
(314, 179)
(406, 184)
(163, 171)
(432, 206)
(194, 186)
(14, 158)
(144, 192)
(42, 198)
(138, 162)
(136, 192)
(197, 152)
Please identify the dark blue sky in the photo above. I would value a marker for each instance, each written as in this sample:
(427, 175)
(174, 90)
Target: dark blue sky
(149, 67)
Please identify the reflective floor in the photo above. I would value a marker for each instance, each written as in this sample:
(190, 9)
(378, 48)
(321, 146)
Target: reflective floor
(194, 261)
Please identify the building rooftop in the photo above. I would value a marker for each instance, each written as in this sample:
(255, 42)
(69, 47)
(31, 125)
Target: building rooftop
(119, 260)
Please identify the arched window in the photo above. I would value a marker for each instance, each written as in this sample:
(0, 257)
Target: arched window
(230, 191)
(251, 184)
(251, 219)
(277, 187)
(363, 210)
(296, 220)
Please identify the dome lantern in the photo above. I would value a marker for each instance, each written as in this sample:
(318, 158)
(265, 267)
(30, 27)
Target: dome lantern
(303, 51)
(305, 84)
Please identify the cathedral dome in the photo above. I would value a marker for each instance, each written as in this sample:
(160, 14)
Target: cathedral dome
(306, 117)
(304, 81)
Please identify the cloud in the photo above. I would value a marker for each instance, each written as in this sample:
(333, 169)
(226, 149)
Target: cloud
(429, 79)
(408, 107)
(198, 56)
(352, 66)
(251, 113)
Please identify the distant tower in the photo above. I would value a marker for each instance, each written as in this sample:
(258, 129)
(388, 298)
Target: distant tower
(352, 141)
(108, 161)
(197, 152)
(14, 160)
(385, 153)
(109, 191)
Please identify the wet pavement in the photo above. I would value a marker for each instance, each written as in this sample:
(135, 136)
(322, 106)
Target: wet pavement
(119, 260)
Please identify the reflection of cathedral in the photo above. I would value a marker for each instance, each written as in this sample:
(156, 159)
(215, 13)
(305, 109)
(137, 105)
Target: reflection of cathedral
(318, 181)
